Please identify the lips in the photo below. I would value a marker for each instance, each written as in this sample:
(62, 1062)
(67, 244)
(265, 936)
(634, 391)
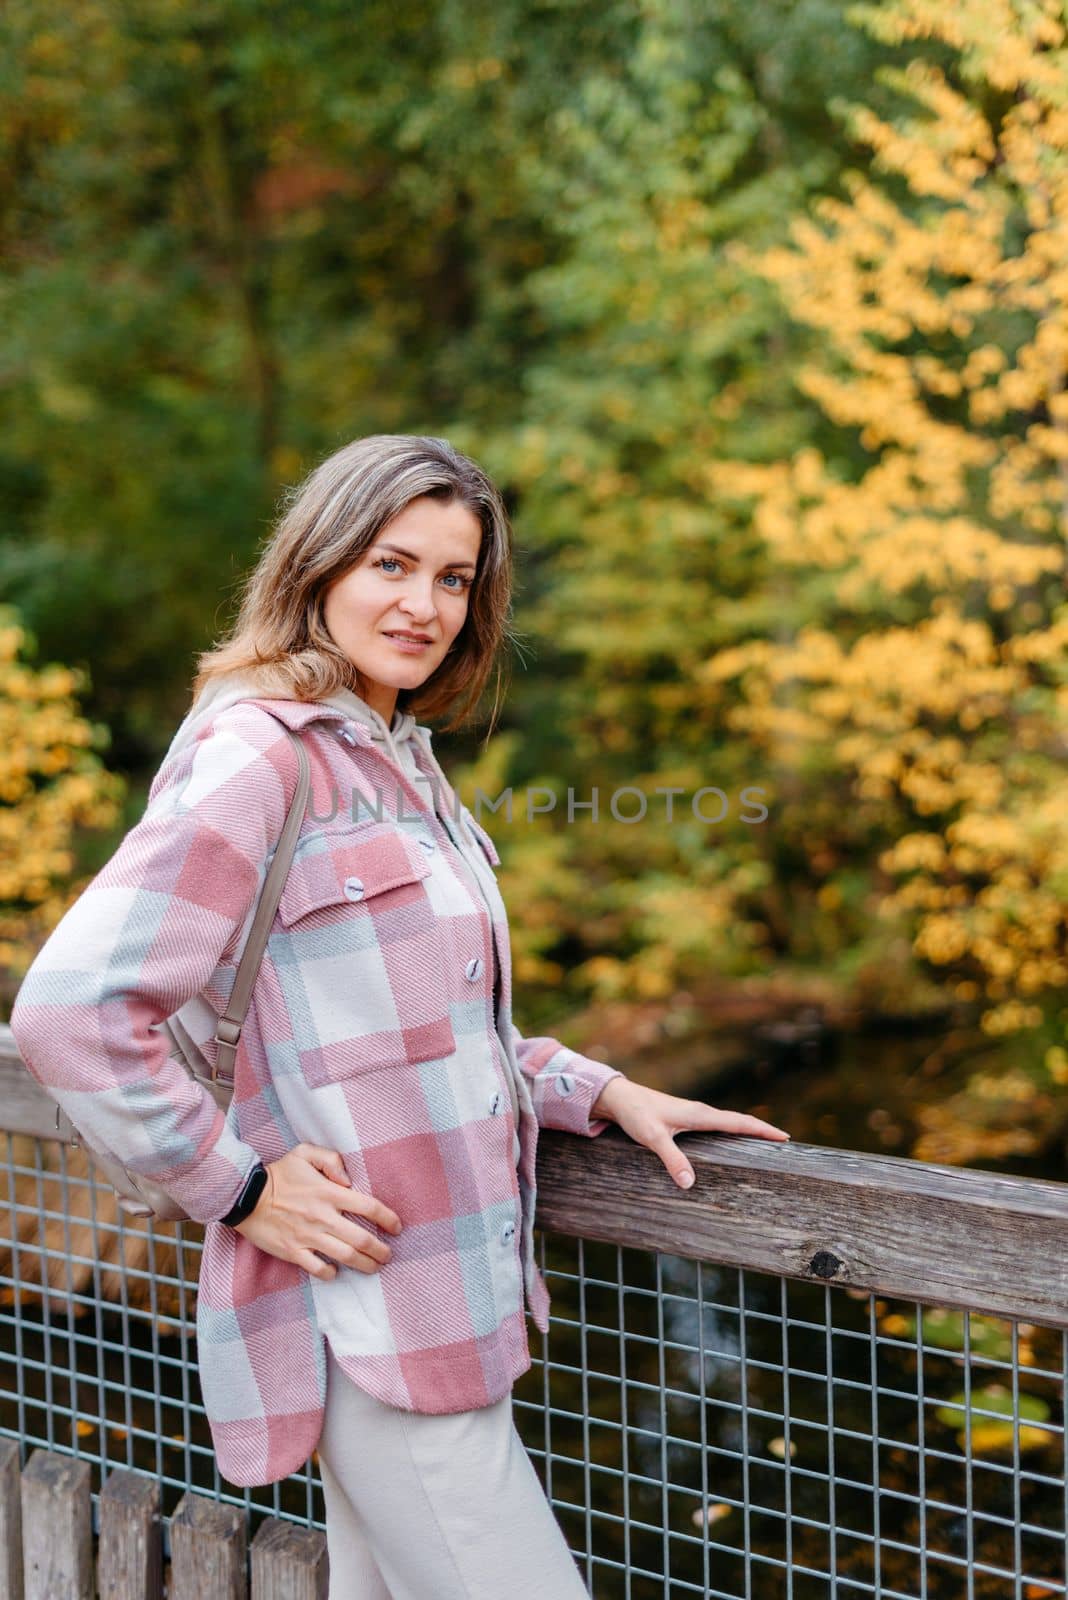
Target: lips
(410, 638)
(407, 644)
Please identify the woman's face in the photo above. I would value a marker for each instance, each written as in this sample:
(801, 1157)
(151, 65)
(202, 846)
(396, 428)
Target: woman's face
(397, 611)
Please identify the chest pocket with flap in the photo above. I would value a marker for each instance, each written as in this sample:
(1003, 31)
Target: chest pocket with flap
(362, 955)
(350, 866)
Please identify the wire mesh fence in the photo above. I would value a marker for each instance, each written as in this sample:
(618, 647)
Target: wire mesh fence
(701, 1428)
(713, 1431)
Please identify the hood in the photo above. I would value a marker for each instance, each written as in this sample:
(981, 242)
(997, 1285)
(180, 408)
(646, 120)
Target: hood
(234, 686)
(403, 730)
(400, 738)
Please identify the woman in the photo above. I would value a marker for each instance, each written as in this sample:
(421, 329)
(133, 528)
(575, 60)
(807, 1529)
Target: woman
(369, 1197)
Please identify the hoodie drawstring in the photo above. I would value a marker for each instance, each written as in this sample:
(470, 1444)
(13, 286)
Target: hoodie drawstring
(382, 732)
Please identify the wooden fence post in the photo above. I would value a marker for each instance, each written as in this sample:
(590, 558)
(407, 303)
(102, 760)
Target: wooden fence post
(289, 1562)
(208, 1550)
(10, 1520)
(57, 1528)
(129, 1561)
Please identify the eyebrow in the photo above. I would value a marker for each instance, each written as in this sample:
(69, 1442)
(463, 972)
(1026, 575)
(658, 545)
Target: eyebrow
(410, 557)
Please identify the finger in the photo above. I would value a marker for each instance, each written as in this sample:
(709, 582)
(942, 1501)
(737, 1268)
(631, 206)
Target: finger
(385, 1217)
(367, 1264)
(368, 1206)
(679, 1169)
(312, 1263)
(743, 1123)
(329, 1163)
(356, 1248)
(350, 1223)
(358, 1240)
(696, 1117)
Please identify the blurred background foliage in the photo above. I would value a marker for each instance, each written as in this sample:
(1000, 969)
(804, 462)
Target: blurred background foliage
(758, 316)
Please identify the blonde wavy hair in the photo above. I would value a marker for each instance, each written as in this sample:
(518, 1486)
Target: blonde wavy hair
(327, 522)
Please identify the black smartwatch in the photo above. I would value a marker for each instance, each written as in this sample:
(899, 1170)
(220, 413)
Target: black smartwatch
(245, 1203)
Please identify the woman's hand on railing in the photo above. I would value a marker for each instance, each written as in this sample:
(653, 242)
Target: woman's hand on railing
(652, 1118)
(303, 1210)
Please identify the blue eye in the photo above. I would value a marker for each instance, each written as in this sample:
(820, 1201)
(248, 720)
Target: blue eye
(463, 582)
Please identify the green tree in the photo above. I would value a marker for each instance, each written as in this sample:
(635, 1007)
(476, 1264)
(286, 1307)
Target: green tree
(660, 355)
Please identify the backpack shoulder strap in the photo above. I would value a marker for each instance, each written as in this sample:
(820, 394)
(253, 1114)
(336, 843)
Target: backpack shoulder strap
(228, 1032)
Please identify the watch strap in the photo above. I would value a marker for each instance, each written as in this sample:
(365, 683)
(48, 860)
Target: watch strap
(246, 1201)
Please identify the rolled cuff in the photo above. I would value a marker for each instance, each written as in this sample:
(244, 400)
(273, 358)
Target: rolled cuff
(564, 1085)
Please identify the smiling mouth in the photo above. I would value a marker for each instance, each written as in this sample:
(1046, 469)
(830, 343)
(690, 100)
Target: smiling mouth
(413, 641)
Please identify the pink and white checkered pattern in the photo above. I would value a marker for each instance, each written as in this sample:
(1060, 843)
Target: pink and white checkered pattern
(371, 1031)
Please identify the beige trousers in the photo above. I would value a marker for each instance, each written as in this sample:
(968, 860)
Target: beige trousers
(435, 1507)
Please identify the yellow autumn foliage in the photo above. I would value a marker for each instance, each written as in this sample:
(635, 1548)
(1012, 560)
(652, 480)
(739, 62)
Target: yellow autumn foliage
(936, 695)
(52, 783)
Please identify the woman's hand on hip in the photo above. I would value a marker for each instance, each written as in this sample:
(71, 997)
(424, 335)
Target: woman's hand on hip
(652, 1118)
(303, 1210)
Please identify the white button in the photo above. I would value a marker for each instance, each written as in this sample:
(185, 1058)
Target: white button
(564, 1084)
(473, 968)
(353, 888)
(507, 1231)
(495, 1104)
(347, 731)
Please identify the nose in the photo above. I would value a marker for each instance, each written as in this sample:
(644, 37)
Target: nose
(417, 601)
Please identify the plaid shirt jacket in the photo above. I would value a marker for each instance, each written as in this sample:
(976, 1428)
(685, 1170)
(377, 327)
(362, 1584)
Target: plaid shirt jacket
(372, 1031)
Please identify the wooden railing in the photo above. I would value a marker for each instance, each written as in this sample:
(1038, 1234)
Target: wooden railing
(879, 1228)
